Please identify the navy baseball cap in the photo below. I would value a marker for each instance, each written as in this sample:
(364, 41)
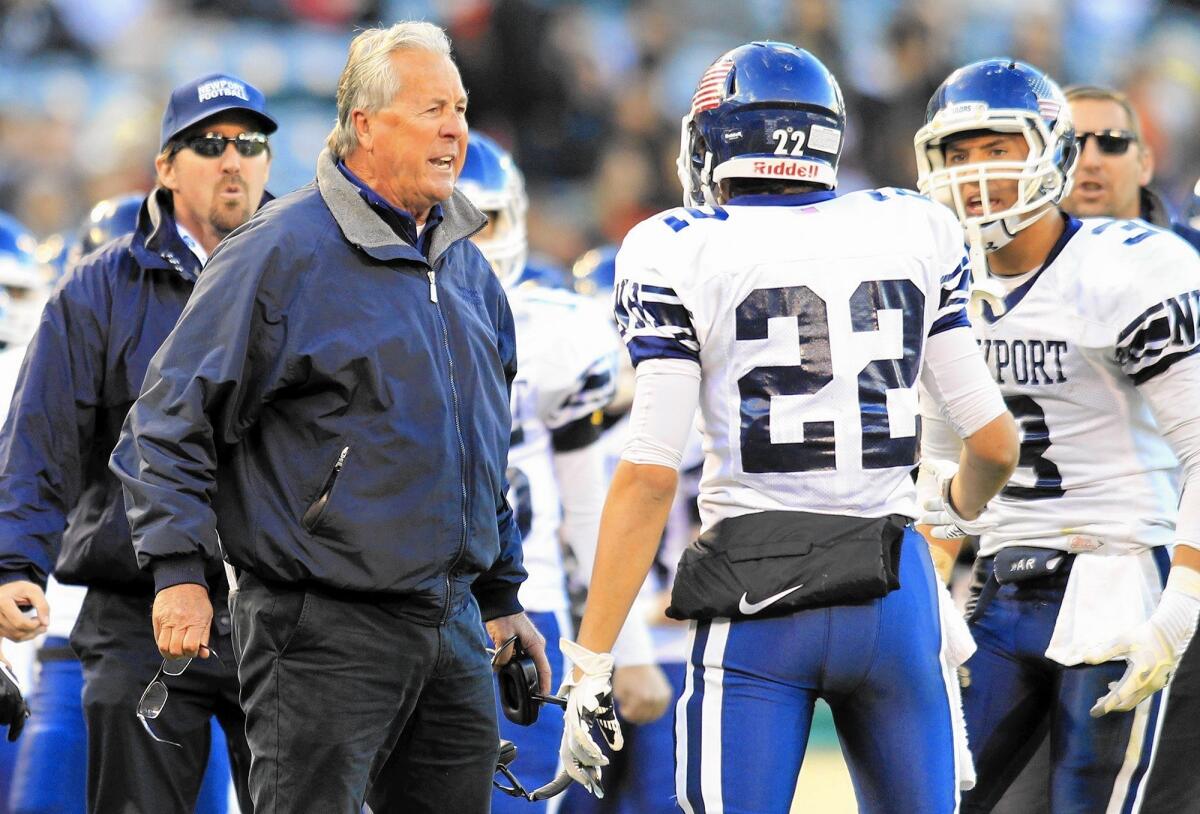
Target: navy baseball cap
(209, 95)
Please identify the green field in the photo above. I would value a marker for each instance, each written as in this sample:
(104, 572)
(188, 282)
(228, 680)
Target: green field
(824, 786)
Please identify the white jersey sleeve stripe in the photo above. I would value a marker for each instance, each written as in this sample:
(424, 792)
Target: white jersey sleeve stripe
(1160, 336)
(654, 323)
(596, 390)
(952, 300)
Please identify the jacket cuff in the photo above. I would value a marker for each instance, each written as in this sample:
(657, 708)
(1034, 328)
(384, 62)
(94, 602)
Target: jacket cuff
(22, 576)
(178, 570)
(496, 600)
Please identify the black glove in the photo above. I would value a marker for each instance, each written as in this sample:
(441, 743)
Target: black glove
(13, 709)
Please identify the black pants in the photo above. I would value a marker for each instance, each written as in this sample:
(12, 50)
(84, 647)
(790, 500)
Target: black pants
(128, 771)
(335, 690)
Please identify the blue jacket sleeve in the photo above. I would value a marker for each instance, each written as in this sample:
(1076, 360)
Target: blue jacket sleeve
(47, 435)
(201, 391)
(496, 590)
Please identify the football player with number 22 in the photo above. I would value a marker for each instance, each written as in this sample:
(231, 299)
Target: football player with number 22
(800, 322)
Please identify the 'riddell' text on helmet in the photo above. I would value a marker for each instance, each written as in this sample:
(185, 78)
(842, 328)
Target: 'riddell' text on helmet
(998, 96)
(763, 110)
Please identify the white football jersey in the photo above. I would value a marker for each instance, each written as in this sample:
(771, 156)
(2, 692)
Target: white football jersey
(808, 315)
(1116, 304)
(566, 370)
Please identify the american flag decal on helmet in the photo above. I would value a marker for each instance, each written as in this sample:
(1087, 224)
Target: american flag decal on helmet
(712, 84)
(1048, 108)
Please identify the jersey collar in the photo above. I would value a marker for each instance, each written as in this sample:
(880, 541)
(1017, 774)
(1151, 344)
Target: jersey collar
(795, 199)
(1018, 293)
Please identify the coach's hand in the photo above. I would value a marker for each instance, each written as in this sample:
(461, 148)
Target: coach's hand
(642, 692)
(1153, 648)
(14, 624)
(182, 617)
(533, 642)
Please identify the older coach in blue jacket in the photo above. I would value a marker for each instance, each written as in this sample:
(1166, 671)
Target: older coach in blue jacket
(334, 402)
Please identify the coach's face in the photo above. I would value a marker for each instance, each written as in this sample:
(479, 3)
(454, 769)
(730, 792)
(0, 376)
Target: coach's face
(415, 147)
(217, 193)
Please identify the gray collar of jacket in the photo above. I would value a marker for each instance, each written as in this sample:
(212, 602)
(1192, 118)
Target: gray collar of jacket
(369, 232)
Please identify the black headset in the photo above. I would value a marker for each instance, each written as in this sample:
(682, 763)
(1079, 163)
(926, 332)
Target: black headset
(521, 701)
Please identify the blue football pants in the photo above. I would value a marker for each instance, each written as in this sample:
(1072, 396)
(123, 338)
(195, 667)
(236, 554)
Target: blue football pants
(50, 774)
(1015, 694)
(743, 721)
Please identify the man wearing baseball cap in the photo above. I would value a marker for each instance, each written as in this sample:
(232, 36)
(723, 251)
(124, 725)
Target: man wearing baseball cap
(61, 509)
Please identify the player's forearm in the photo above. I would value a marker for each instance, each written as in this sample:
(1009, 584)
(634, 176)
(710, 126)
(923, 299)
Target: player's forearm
(985, 465)
(1187, 557)
(949, 549)
(630, 528)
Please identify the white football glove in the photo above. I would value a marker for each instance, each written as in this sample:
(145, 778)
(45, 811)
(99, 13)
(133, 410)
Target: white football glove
(939, 511)
(589, 700)
(1153, 648)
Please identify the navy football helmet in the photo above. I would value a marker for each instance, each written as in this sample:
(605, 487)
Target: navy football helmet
(763, 110)
(541, 273)
(492, 182)
(1000, 96)
(594, 273)
(109, 219)
(24, 282)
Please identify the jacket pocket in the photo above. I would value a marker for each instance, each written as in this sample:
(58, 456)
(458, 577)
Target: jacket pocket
(312, 515)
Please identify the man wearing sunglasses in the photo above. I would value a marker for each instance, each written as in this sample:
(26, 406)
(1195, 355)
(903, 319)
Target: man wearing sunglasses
(1115, 164)
(62, 511)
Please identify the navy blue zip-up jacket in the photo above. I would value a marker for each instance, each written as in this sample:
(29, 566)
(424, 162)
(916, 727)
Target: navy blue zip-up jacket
(81, 373)
(336, 406)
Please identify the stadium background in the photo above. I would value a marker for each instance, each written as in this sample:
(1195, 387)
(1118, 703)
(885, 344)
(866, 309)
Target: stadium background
(587, 95)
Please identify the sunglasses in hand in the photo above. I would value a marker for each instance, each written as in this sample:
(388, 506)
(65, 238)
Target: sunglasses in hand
(154, 698)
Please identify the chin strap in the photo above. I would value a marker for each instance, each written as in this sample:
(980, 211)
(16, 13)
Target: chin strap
(983, 287)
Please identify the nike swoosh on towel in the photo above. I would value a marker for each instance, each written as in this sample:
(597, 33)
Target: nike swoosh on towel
(751, 608)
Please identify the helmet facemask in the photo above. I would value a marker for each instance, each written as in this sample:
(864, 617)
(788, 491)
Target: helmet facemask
(506, 247)
(694, 166)
(1041, 181)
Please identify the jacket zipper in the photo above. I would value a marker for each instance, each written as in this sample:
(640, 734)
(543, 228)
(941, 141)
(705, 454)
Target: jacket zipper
(312, 514)
(462, 448)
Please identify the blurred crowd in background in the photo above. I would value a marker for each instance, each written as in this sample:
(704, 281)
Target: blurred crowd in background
(587, 95)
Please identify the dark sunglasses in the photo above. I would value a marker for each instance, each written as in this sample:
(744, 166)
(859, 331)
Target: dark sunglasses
(212, 145)
(151, 704)
(1110, 142)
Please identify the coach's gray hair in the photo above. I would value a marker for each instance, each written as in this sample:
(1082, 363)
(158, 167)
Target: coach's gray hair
(368, 81)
